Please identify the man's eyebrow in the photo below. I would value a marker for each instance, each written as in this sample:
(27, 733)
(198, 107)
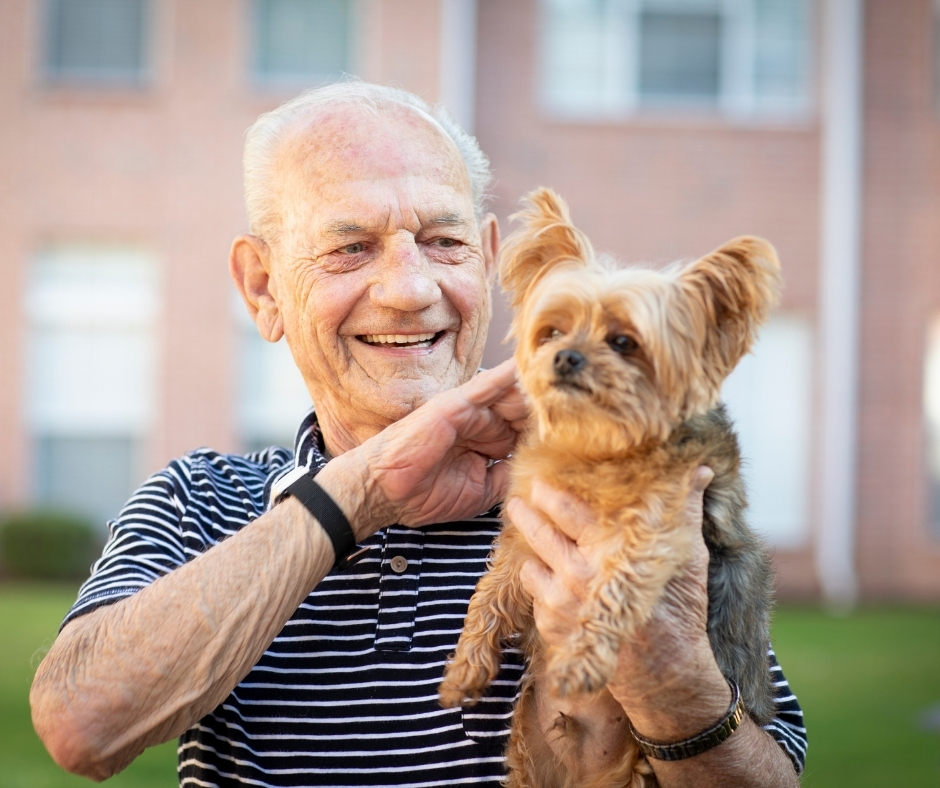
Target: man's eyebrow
(447, 219)
(344, 228)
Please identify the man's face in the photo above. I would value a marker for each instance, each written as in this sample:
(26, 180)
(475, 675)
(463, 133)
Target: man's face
(382, 274)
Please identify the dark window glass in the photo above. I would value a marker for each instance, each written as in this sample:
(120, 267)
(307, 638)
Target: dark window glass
(679, 55)
(96, 40)
(93, 476)
(302, 40)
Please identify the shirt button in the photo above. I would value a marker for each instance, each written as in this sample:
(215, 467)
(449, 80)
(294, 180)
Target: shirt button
(399, 564)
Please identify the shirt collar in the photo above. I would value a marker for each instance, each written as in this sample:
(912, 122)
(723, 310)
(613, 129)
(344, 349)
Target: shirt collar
(309, 451)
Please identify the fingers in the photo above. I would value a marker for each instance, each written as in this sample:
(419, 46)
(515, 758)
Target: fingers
(695, 501)
(536, 579)
(549, 544)
(703, 477)
(488, 386)
(570, 515)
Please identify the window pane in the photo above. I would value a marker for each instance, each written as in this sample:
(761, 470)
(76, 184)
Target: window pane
(679, 54)
(302, 39)
(98, 40)
(92, 476)
(573, 57)
(781, 50)
(769, 398)
(91, 373)
(272, 396)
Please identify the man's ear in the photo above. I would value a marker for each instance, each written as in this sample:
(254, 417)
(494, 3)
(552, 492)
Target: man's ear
(249, 264)
(489, 238)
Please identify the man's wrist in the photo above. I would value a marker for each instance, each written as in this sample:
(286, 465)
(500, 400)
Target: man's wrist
(701, 742)
(676, 697)
(346, 479)
(300, 484)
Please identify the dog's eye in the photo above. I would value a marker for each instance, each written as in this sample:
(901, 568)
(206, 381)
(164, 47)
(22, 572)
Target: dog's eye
(552, 333)
(623, 344)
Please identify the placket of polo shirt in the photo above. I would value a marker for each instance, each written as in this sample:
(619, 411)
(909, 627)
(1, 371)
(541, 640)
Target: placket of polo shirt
(398, 588)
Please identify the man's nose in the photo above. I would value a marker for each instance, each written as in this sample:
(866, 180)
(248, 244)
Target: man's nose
(405, 279)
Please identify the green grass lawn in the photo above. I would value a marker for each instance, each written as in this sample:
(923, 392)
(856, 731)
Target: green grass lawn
(864, 681)
(29, 618)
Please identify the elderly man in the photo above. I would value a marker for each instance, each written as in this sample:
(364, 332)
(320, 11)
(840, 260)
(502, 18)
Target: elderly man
(219, 612)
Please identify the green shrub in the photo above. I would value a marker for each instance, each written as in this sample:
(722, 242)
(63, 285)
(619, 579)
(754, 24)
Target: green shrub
(47, 545)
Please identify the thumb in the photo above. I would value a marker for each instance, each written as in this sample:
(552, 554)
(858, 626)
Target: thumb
(703, 477)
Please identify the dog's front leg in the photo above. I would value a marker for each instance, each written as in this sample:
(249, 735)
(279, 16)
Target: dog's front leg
(619, 603)
(498, 608)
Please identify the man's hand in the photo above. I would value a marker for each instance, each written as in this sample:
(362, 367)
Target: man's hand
(438, 463)
(667, 679)
(104, 692)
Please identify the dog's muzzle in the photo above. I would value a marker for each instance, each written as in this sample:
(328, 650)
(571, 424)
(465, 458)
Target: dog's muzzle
(569, 363)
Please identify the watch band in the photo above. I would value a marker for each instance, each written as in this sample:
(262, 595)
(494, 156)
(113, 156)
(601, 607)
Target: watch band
(702, 742)
(329, 515)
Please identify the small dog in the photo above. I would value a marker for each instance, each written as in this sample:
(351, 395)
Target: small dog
(622, 370)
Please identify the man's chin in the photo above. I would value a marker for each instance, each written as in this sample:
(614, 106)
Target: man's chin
(401, 397)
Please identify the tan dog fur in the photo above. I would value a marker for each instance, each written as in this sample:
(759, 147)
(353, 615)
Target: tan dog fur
(622, 370)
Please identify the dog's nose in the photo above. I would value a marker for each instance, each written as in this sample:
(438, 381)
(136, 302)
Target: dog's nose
(568, 362)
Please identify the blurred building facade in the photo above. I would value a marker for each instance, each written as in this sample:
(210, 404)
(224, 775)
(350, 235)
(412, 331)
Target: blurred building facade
(670, 126)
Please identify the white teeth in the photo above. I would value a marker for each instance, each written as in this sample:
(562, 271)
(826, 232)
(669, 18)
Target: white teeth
(397, 339)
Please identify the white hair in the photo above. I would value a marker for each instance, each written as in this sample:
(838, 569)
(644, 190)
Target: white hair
(265, 136)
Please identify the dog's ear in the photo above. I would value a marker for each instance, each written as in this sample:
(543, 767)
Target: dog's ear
(546, 239)
(731, 291)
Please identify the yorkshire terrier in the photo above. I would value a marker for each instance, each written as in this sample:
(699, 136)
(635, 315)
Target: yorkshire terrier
(622, 370)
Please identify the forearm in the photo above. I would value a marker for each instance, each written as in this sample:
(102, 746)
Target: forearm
(692, 699)
(142, 671)
(749, 759)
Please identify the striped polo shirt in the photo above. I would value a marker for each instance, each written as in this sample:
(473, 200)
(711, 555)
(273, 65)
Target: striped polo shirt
(346, 695)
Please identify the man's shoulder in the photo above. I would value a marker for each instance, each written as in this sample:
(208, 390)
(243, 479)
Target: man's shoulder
(207, 477)
(257, 464)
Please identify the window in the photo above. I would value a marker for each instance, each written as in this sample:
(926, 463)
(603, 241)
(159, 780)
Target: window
(97, 41)
(272, 397)
(612, 57)
(932, 419)
(769, 398)
(90, 379)
(302, 41)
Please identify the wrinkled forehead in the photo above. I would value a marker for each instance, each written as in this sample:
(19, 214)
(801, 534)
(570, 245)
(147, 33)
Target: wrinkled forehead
(348, 142)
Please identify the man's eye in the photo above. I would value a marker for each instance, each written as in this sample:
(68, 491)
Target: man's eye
(353, 248)
(446, 243)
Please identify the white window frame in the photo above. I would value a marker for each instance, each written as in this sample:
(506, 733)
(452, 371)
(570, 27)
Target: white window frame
(931, 415)
(737, 94)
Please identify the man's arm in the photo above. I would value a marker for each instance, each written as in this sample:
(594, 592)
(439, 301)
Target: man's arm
(143, 670)
(667, 680)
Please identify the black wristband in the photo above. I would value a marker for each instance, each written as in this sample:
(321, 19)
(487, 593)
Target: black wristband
(701, 742)
(330, 517)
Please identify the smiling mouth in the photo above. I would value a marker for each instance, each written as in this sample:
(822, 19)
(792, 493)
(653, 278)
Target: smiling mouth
(400, 340)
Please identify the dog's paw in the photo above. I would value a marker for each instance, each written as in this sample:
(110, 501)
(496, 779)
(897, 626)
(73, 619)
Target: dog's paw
(463, 683)
(451, 697)
(577, 674)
